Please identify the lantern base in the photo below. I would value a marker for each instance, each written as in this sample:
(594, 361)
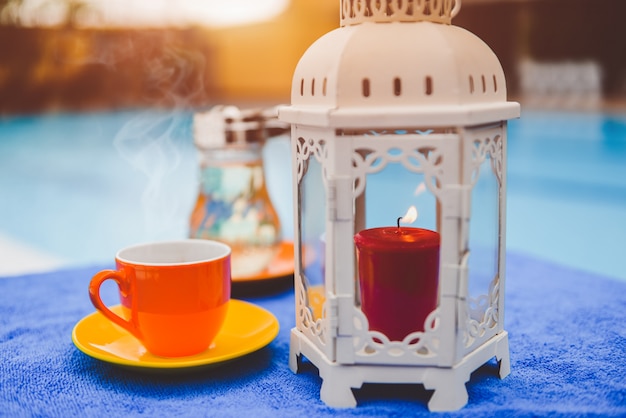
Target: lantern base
(448, 383)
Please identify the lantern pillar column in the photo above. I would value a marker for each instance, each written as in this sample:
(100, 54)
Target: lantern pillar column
(340, 244)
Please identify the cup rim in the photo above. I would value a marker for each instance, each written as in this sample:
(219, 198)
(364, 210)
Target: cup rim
(224, 251)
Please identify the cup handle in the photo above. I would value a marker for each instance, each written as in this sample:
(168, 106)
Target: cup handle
(94, 295)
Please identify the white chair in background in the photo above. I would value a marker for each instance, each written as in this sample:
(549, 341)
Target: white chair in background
(566, 84)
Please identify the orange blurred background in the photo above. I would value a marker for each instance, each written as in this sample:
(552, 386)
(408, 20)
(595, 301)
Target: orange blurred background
(71, 68)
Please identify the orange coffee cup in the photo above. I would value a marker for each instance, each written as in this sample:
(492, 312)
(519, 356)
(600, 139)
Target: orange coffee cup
(174, 294)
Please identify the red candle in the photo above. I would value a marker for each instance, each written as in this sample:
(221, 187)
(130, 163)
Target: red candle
(399, 275)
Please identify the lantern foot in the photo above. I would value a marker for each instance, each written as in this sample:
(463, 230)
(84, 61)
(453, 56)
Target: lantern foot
(504, 359)
(337, 392)
(450, 391)
(294, 353)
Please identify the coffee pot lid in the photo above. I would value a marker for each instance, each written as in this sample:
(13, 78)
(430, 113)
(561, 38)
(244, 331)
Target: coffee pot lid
(227, 125)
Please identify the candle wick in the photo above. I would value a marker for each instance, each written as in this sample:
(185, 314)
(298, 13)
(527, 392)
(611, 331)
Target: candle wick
(399, 222)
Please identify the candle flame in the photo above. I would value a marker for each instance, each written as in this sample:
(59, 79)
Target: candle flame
(410, 216)
(421, 188)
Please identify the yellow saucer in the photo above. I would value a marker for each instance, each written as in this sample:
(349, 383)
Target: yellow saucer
(247, 328)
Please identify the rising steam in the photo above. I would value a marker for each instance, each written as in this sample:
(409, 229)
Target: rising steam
(154, 141)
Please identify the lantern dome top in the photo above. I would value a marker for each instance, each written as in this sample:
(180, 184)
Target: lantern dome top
(393, 70)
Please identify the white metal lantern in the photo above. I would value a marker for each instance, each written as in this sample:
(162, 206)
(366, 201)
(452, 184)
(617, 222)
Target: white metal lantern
(399, 108)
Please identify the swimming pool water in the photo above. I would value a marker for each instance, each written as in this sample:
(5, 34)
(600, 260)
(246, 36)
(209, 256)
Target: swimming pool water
(74, 188)
(567, 189)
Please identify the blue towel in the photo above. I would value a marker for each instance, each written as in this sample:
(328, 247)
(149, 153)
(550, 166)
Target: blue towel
(567, 339)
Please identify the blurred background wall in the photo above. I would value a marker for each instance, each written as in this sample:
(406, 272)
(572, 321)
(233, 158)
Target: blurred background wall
(69, 65)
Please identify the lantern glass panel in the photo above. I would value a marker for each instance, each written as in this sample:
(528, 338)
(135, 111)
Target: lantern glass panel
(484, 233)
(396, 290)
(312, 195)
(390, 193)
